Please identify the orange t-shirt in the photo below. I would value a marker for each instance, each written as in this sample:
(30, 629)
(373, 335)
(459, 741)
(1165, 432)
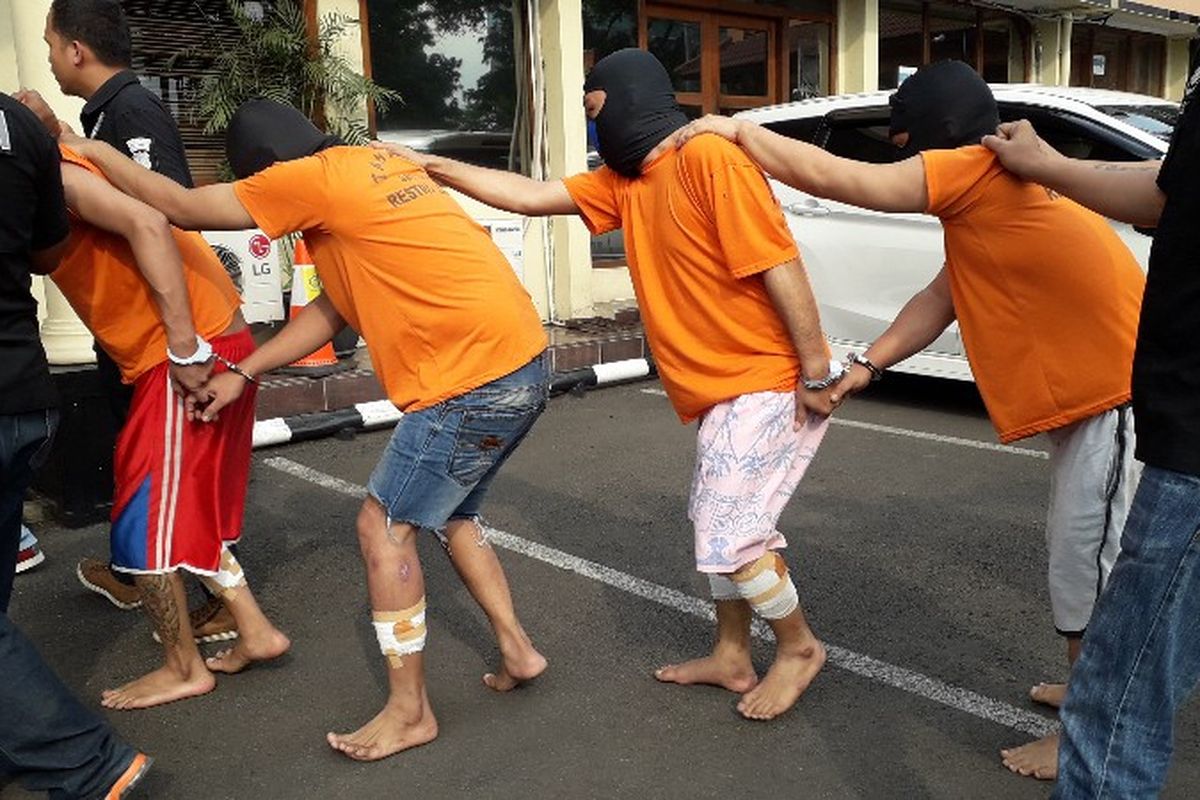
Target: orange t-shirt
(99, 277)
(440, 307)
(1047, 295)
(700, 225)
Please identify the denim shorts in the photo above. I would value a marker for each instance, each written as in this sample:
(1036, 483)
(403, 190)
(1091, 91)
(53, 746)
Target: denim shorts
(442, 459)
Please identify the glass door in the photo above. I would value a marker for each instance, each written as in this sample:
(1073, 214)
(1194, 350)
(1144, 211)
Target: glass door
(717, 62)
(676, 38)
(747, 64)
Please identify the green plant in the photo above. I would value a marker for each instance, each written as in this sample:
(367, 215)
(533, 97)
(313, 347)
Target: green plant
(274, 57)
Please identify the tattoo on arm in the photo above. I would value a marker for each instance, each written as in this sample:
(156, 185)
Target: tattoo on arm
(1136, 166)
(158, 597)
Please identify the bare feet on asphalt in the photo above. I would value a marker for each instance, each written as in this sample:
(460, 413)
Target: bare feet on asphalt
(1034, 760)
(248, 650)
(519, 663)
(163, 685)
(729, 670)
(784, 682)
(1049, 694)
(390, 732)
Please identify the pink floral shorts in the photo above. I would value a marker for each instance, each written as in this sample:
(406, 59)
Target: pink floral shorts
(749, 460)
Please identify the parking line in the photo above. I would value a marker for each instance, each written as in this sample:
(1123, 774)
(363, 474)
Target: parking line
(931, 437)
(965, 700)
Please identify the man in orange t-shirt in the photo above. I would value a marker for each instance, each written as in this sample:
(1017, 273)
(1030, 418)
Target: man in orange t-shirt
(1047, 299)
(454, 339)
(736, 337)
(163, 308)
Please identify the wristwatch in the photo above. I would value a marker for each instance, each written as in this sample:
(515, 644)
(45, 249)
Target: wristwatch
(836, 371)
(203, 353)
(858, 358)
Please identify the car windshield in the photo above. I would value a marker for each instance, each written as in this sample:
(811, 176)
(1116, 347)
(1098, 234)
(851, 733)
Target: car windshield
(1156, 120)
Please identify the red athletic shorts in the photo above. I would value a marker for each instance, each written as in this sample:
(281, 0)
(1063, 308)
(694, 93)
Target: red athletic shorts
(181, 486)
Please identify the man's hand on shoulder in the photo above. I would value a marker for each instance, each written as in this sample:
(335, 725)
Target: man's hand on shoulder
(725, 127)
(420, 159)
(34, 101)
(76, 142)
(1022, 151)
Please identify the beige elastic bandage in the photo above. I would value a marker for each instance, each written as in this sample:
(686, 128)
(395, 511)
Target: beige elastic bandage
(229, 577)
(400, 633)
(767, 587)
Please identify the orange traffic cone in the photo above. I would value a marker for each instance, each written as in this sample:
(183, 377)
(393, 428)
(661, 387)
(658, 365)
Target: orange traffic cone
(306, 287)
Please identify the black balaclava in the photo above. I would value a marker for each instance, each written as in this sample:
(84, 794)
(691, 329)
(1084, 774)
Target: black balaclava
(263, 131)
(943, 106)
(639, 110)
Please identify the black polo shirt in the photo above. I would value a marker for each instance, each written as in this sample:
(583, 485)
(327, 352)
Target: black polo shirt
(33, 217)
(134, 120)
(1166, 367)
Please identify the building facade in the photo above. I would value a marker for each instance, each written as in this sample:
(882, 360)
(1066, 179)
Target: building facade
(499, 82)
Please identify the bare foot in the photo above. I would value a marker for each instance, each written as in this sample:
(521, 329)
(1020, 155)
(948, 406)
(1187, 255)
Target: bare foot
(728, 669)
(519, 663)
(391, 731)
(1034, 760)
(248, 650)
(163, 685)
(785, 681)
(1049, 694)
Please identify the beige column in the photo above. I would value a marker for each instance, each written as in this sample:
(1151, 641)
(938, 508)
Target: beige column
(560, 44)
(1176, 70)
(1052, 51)
(65, 338)
(9, 78)
(350, 45)
(858, 46)
(9, 82)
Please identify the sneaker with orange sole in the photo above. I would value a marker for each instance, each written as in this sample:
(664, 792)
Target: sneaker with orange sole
(130, 778)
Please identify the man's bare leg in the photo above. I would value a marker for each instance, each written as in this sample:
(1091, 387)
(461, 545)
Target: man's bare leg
(799, 656)
(258, 639)
(184, 674)
(394, 581)
(1040, 759)
(729, 665)
(1053, 694)
(479, 568)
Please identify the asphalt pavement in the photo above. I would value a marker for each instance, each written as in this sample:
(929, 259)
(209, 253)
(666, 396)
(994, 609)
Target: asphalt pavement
(915, 541)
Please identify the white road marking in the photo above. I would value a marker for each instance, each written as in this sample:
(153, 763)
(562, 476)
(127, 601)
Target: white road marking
(931, 437)
(865, 666)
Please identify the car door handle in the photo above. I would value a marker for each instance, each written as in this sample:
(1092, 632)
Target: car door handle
(807, 208)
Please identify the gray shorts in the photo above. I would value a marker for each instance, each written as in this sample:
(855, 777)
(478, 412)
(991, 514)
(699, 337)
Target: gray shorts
(1092, 482)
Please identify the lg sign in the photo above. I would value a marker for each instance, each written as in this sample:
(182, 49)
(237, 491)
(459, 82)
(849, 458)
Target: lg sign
(260, 246)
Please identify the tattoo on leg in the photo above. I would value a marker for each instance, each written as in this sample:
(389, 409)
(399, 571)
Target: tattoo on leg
(158, 597)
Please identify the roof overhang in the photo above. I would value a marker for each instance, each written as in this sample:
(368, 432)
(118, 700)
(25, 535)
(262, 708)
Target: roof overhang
(1165, 17)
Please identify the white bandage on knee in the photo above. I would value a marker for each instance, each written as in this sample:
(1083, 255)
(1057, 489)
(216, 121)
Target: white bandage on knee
(400, 633)
(722, 588)
(229, 577)
(767, 587)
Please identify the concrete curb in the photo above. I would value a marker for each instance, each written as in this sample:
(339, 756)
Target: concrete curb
(381, 413)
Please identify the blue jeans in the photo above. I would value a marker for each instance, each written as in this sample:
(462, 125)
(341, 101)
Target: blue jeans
(1141, 652)
(442, 459)
(47, 738)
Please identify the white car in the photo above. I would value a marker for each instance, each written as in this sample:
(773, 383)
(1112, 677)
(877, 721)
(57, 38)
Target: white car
(864, 265)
